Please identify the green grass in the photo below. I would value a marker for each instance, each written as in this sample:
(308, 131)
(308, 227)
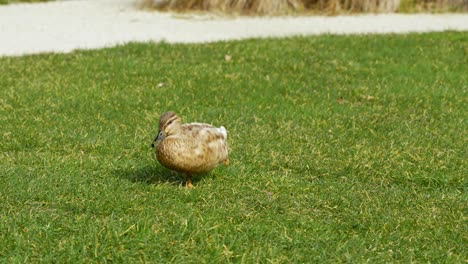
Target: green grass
(433, 6)
(343, 148)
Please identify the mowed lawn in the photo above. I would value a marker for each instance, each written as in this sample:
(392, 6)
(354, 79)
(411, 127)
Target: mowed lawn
(343, 148)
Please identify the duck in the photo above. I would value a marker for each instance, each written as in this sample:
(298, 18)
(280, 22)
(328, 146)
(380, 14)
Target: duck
(191, 148)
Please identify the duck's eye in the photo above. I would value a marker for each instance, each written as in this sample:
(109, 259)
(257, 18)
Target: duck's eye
(160, 136)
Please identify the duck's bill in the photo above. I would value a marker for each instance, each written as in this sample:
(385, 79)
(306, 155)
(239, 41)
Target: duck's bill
(154, 141)
(158, 139)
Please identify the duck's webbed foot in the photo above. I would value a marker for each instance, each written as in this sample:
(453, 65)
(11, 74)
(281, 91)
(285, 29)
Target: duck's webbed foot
(188, 183)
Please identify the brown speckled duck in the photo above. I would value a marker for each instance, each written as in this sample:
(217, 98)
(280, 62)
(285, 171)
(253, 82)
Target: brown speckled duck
(190, 148)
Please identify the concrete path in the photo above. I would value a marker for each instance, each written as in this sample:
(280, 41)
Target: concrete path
(63, 26)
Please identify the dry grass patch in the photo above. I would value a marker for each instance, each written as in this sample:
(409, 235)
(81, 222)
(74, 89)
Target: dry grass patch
(281, 7)
(228, 6)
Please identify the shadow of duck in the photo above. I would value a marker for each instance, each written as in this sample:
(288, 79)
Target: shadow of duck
(150, 175)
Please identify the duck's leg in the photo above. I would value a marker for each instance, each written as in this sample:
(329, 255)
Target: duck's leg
(226, 162)
(188, 183)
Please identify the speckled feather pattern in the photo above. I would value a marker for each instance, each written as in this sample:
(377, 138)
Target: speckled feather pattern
(194, 148)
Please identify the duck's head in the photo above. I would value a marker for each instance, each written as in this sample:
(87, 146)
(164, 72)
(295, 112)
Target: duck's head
(169, 124)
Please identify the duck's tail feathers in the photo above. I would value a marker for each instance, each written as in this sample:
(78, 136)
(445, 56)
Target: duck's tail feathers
(223, 132)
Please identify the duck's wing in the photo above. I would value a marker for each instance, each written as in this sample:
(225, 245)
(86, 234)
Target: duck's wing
(204, 132)
(208, 139)
(196, 127)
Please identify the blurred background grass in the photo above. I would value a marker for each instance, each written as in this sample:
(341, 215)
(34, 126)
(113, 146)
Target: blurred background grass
(282, 7)
(278, 7)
